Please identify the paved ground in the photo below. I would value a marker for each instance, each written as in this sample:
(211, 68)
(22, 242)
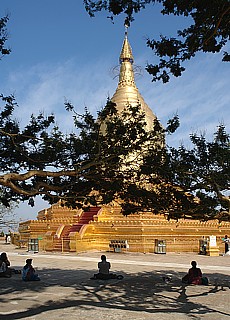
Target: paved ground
(66, 292)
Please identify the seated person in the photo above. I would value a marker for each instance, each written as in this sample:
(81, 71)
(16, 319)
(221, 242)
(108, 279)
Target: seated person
(104, 265)
(103, 268)
(28, 272)
(5, 271)
(194, 275)
(5, 259)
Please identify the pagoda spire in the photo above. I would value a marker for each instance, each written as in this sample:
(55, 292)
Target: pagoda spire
(127, 92)
(126, 76)
(126, 51)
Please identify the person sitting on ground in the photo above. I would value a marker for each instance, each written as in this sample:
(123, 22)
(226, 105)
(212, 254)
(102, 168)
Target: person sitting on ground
(5, 259)
(103, 268)
(5, 271)
(28, 272)
(194, 275)
(103, 265)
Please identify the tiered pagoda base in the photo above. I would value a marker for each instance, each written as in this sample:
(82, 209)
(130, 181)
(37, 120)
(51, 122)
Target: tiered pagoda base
(106, 229)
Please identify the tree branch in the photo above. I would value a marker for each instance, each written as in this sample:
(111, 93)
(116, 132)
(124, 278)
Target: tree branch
(217, 25)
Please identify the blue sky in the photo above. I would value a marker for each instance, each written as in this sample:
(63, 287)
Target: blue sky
(59, 52)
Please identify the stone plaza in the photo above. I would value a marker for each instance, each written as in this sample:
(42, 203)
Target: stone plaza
(66, 291)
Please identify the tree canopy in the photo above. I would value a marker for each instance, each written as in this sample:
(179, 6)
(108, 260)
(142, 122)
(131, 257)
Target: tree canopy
(194, 182)
(86, 166)
(209, 30)
(3, 37)
(113, 157)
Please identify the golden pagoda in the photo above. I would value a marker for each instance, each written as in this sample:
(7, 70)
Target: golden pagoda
(127, 92)
(105, 228)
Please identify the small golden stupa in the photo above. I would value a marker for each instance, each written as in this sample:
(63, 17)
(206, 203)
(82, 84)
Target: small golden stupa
(58, 228)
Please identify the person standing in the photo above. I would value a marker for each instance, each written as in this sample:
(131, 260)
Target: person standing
(226, 244)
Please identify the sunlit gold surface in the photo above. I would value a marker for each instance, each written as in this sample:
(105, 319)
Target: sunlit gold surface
(127, 91)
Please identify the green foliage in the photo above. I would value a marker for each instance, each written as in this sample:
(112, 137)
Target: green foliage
(113, 157)
(186, 183)
(82, 167)
(208, 32)
(3, 36)
(204, 173)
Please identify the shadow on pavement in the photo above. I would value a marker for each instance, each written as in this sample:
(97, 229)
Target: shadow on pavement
(143, 292)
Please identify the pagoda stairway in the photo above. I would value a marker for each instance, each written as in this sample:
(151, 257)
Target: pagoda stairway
(85, 218)
(62, 243)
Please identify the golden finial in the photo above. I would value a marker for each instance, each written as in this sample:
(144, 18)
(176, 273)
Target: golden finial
(126, 51)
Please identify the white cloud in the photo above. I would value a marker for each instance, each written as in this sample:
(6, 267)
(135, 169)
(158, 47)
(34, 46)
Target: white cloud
(45, 88)
(200, 97)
